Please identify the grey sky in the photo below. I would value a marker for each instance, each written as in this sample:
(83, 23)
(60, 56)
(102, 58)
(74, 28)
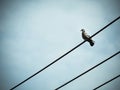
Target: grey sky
(36, 32)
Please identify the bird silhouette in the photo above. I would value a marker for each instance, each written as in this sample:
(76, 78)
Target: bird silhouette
(86, 37)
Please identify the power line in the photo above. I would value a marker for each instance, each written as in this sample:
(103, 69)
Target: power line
(107, 82)
(64, 55)
(105, 27)
(87, 70)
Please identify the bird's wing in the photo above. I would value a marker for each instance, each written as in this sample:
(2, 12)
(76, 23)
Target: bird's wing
(86, 35)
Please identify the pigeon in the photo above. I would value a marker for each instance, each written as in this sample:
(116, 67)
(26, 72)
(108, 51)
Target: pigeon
(86, 37)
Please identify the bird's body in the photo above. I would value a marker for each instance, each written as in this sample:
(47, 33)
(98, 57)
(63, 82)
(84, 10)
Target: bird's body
(86, 37)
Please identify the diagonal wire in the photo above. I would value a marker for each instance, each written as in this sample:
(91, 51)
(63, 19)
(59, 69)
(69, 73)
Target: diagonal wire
(106, 82)
(87, 70)
(64, 55)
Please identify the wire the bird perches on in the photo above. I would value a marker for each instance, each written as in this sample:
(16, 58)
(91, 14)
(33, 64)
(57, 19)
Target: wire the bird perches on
(63, 55)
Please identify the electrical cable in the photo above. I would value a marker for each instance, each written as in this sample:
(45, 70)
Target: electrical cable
(87, 70)
(106, 82)
(63, 55)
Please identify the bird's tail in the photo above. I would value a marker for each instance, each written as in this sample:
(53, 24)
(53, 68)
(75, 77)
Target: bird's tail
(91, 42)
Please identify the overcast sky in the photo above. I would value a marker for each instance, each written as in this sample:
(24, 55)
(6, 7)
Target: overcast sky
(33, 33)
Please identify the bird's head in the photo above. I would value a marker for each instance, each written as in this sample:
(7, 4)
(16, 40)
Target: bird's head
(83, 30)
